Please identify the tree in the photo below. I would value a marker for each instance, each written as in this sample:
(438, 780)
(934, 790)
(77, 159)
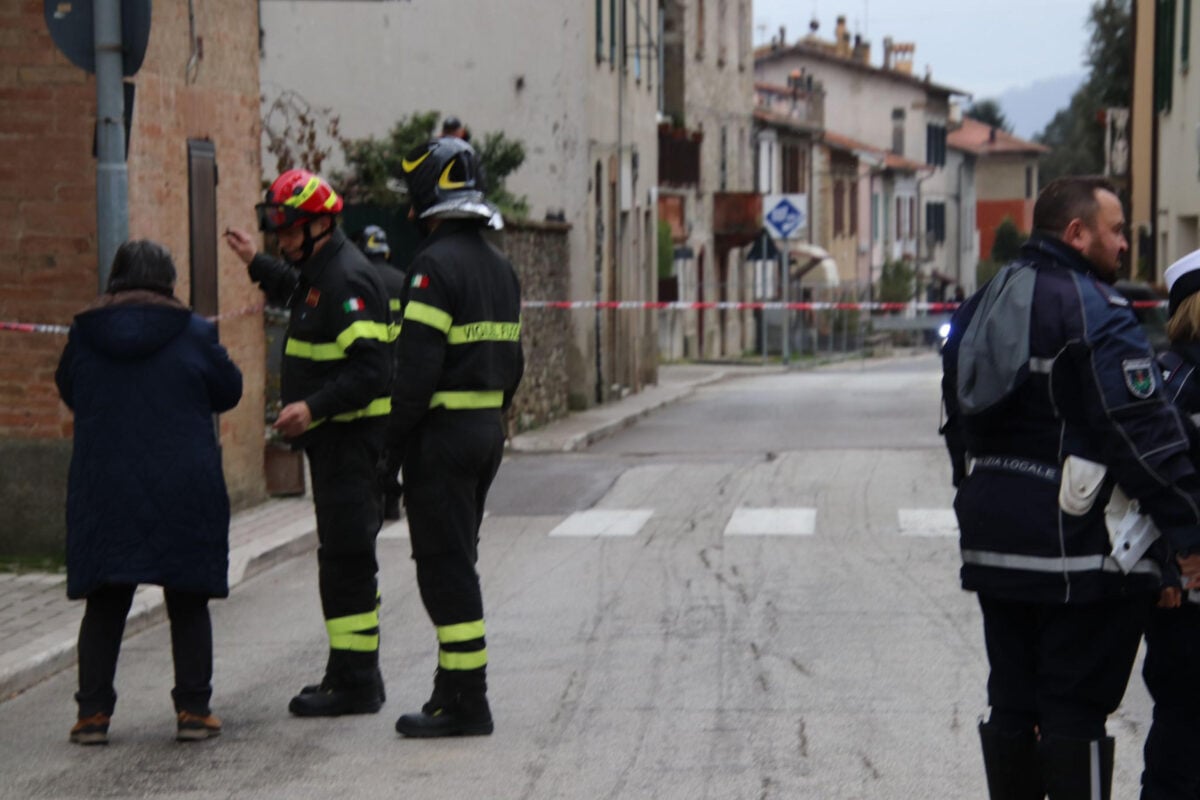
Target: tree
(299, 134)
(988, 112)
(373, 165)
(1007, 244)
(896, 282)
(1075, 135)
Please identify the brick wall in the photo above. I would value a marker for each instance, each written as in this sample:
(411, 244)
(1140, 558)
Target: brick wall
(48, 227)
(540, 254)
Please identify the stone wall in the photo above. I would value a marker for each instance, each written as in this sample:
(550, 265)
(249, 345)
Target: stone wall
(540, 253)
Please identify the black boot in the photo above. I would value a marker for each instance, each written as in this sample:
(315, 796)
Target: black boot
(457, 707)
(1077, 769)
(328, 701)
(352, 685)
(1011, 763)
(317, 687)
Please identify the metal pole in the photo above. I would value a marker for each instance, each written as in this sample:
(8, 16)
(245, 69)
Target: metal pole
(112, 178)
(785, 271)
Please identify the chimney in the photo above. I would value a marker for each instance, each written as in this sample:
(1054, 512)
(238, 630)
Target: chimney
(887, 52)
(992, 135)
(782, 36)
(862, 50)
(902, 57)
(841, 38)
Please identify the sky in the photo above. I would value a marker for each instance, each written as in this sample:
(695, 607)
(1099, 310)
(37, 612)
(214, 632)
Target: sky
(984, 47)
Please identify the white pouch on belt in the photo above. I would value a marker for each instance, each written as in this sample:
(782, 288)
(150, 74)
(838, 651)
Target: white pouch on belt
(1131, 531)
(1080, 485)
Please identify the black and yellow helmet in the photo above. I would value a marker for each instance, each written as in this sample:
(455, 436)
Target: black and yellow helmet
(444, 181)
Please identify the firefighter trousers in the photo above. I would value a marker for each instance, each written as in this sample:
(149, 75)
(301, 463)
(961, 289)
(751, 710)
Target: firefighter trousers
(449, 466)
(342, 459)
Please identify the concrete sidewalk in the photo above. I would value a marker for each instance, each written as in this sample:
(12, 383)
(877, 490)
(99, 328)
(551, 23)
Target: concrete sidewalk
(39, 626)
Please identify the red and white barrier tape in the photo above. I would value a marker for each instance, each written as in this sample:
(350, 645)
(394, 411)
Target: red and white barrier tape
(625, 305)
(37, 327)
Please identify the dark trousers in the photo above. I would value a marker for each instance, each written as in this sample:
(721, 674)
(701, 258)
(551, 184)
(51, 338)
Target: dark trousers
(342, 460)
(1172, 674)
(449, 467)
(1061, 668)
(100, 644)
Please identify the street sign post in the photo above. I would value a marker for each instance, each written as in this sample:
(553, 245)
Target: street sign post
(109, 38)
(786, 216)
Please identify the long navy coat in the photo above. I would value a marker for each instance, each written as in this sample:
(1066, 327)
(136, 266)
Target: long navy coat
(146, 498)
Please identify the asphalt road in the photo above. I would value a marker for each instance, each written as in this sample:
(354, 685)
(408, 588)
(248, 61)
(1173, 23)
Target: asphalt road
(750, 594)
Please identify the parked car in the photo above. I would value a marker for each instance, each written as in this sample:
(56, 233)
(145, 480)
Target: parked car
(1150, 309)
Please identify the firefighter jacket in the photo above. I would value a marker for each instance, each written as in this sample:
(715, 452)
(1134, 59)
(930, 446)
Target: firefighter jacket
(1053, 397)
(393, 283)
(460, 340)
(336, 357)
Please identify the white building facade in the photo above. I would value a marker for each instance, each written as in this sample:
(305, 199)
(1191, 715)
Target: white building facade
(576, 82)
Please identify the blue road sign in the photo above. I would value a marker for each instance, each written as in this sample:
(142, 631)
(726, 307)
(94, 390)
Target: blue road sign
(784, 214)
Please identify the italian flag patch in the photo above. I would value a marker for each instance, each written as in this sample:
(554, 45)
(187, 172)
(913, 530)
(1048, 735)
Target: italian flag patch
(352, 305)
(420, 281)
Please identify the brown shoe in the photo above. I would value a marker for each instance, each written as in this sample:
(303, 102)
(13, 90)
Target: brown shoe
(191, 727)
(91, 730)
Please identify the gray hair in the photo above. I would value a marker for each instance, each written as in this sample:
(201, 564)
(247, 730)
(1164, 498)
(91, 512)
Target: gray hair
(142, 264)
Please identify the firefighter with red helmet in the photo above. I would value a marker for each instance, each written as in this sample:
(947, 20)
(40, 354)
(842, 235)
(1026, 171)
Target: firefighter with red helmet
(335, 379)
(459, 364)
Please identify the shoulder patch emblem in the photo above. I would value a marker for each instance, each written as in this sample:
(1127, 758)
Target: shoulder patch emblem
(419, 281)
(353, 304)
(1139, 378)
(312, 298)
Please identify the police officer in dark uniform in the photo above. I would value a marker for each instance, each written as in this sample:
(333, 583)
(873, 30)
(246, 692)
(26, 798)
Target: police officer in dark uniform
(1172, 770)
(460, 363)
(335, 381)
(1053, 401)
(374, 244)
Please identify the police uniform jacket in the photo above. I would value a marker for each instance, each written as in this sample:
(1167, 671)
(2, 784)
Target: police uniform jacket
(1053, 397)
(460, 340)
(337, 355)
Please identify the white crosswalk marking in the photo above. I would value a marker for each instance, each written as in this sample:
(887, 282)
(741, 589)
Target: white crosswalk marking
(927, 522)
(603, 522)
(772, 522)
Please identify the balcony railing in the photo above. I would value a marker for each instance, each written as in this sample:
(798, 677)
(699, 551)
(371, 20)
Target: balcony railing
(801, 105)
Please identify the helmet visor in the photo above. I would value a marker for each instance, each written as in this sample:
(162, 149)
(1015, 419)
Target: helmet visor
(275, 217)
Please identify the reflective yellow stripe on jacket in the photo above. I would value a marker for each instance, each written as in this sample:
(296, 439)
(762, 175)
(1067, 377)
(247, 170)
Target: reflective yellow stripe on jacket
(464, 401)
(469, 333)
(335, 350)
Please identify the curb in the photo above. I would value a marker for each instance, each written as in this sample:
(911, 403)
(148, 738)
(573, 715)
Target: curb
(26, 666)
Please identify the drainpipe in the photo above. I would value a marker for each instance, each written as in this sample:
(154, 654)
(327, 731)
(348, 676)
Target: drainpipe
(112, 177)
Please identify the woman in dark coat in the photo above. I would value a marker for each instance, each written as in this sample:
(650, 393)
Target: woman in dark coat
(146, 497)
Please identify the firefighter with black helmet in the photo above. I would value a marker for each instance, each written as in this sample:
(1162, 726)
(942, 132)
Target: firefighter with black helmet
(460, 362)
(334, 387)
(374, 244)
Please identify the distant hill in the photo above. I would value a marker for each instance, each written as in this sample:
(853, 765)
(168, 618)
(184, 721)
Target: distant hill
(1028, 108)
